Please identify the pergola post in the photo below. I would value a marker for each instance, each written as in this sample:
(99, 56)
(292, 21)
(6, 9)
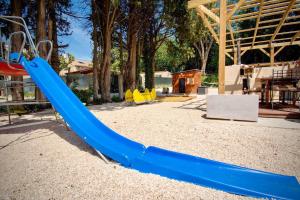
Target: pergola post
(222, 46)
(239, 56)
(235, 56)
(272, 56)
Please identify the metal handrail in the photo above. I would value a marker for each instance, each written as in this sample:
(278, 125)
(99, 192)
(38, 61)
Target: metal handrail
(1, 45)
(24, 25)
(20, 51)
(50, 50)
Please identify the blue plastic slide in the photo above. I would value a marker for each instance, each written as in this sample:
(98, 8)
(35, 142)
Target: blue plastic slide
(204, 172)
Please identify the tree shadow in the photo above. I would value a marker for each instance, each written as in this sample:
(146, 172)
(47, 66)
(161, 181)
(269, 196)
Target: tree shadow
(108, 106)
(198, 104)
(118, 106)
(32, 127)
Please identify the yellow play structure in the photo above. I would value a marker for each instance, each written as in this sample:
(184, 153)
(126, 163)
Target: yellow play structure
(138, 97)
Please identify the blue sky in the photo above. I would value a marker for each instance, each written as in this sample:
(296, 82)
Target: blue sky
(80, 41)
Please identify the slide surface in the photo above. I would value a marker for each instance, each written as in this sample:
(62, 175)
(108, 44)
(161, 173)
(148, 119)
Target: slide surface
(208, 173)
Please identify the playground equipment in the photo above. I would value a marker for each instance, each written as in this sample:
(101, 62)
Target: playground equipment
(201, 171)
(140, 98)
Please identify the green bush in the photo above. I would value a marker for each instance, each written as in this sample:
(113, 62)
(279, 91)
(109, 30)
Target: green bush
(116, 98)
(210, 80)
(83, 95)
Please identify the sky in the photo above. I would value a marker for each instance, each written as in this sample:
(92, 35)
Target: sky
(80, 44)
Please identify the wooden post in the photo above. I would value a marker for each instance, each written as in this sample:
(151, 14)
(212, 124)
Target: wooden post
(235, 56)
(222, 45)
(272, 56)
(239, 56)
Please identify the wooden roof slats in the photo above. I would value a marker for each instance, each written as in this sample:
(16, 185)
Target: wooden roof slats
(252, 4)
(257, 21)
(265, 27)
(280, 19)
(297, 35)
(254, 14)
(286, 13)
(234, 9)
(280, 44)
(265, 35)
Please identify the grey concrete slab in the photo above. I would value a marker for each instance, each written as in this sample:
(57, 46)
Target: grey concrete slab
(233, 107)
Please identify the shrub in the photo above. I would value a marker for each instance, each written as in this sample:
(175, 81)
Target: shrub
(116, 98)
(210, 80)
(83, 95)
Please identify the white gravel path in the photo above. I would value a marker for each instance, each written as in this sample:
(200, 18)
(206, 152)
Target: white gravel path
(44, 161)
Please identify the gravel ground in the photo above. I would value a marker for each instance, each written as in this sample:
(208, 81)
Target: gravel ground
(45, 161)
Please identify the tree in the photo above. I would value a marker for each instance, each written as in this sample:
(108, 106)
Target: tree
(65, 61)
(200, 38)
(155, 33)
(107, 12)
(96, 59)
(41, 35)
(16, 10)
(134, 25)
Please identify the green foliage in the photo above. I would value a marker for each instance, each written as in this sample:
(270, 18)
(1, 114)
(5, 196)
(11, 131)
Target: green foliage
(116, 98)
(209, 80)
(173, 57)
(83, 95)
(116, 59)
(65, 61)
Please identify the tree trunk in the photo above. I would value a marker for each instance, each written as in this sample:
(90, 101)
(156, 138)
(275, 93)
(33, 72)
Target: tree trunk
(138, 67)
(130, 82)
(203, 48)
(41, 28)
(52, 36)
(105, 72)
(133, 26)
(41, 35)
(16, 10)
(149, 73)
(120, 77)
(96, 65)
(149, 60)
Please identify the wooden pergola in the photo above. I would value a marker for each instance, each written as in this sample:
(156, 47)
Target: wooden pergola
(275, 16)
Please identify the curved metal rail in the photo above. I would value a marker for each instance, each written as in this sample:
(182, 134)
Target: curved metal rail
(20, 50)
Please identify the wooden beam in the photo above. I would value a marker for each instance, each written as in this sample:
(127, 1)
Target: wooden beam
(295, 37)
(257, 21)
(266, 35)
(272, 56)
(229, 56)
(196, 3)
(243, 52)
(208, 25)
(287, 11)
(212, 15)
(253, 15)
(279, 50)
(279, 44)
(222, 44)
(265, 52)
(235, 57)
(236, 7)
(231, 33)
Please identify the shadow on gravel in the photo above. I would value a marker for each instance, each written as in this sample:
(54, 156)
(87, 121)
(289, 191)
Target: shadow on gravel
(199, 104)
(35, 129)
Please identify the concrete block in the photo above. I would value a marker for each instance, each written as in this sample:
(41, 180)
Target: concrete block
(233, 107)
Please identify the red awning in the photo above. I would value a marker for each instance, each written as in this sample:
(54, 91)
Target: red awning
(7, 71)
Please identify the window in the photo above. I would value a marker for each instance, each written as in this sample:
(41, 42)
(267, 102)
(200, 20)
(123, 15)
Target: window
(190, 81)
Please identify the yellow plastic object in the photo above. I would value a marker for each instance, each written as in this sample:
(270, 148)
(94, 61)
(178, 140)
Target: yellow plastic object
(153, 94)
(138, 97)
(128, 96)
(147, 95)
